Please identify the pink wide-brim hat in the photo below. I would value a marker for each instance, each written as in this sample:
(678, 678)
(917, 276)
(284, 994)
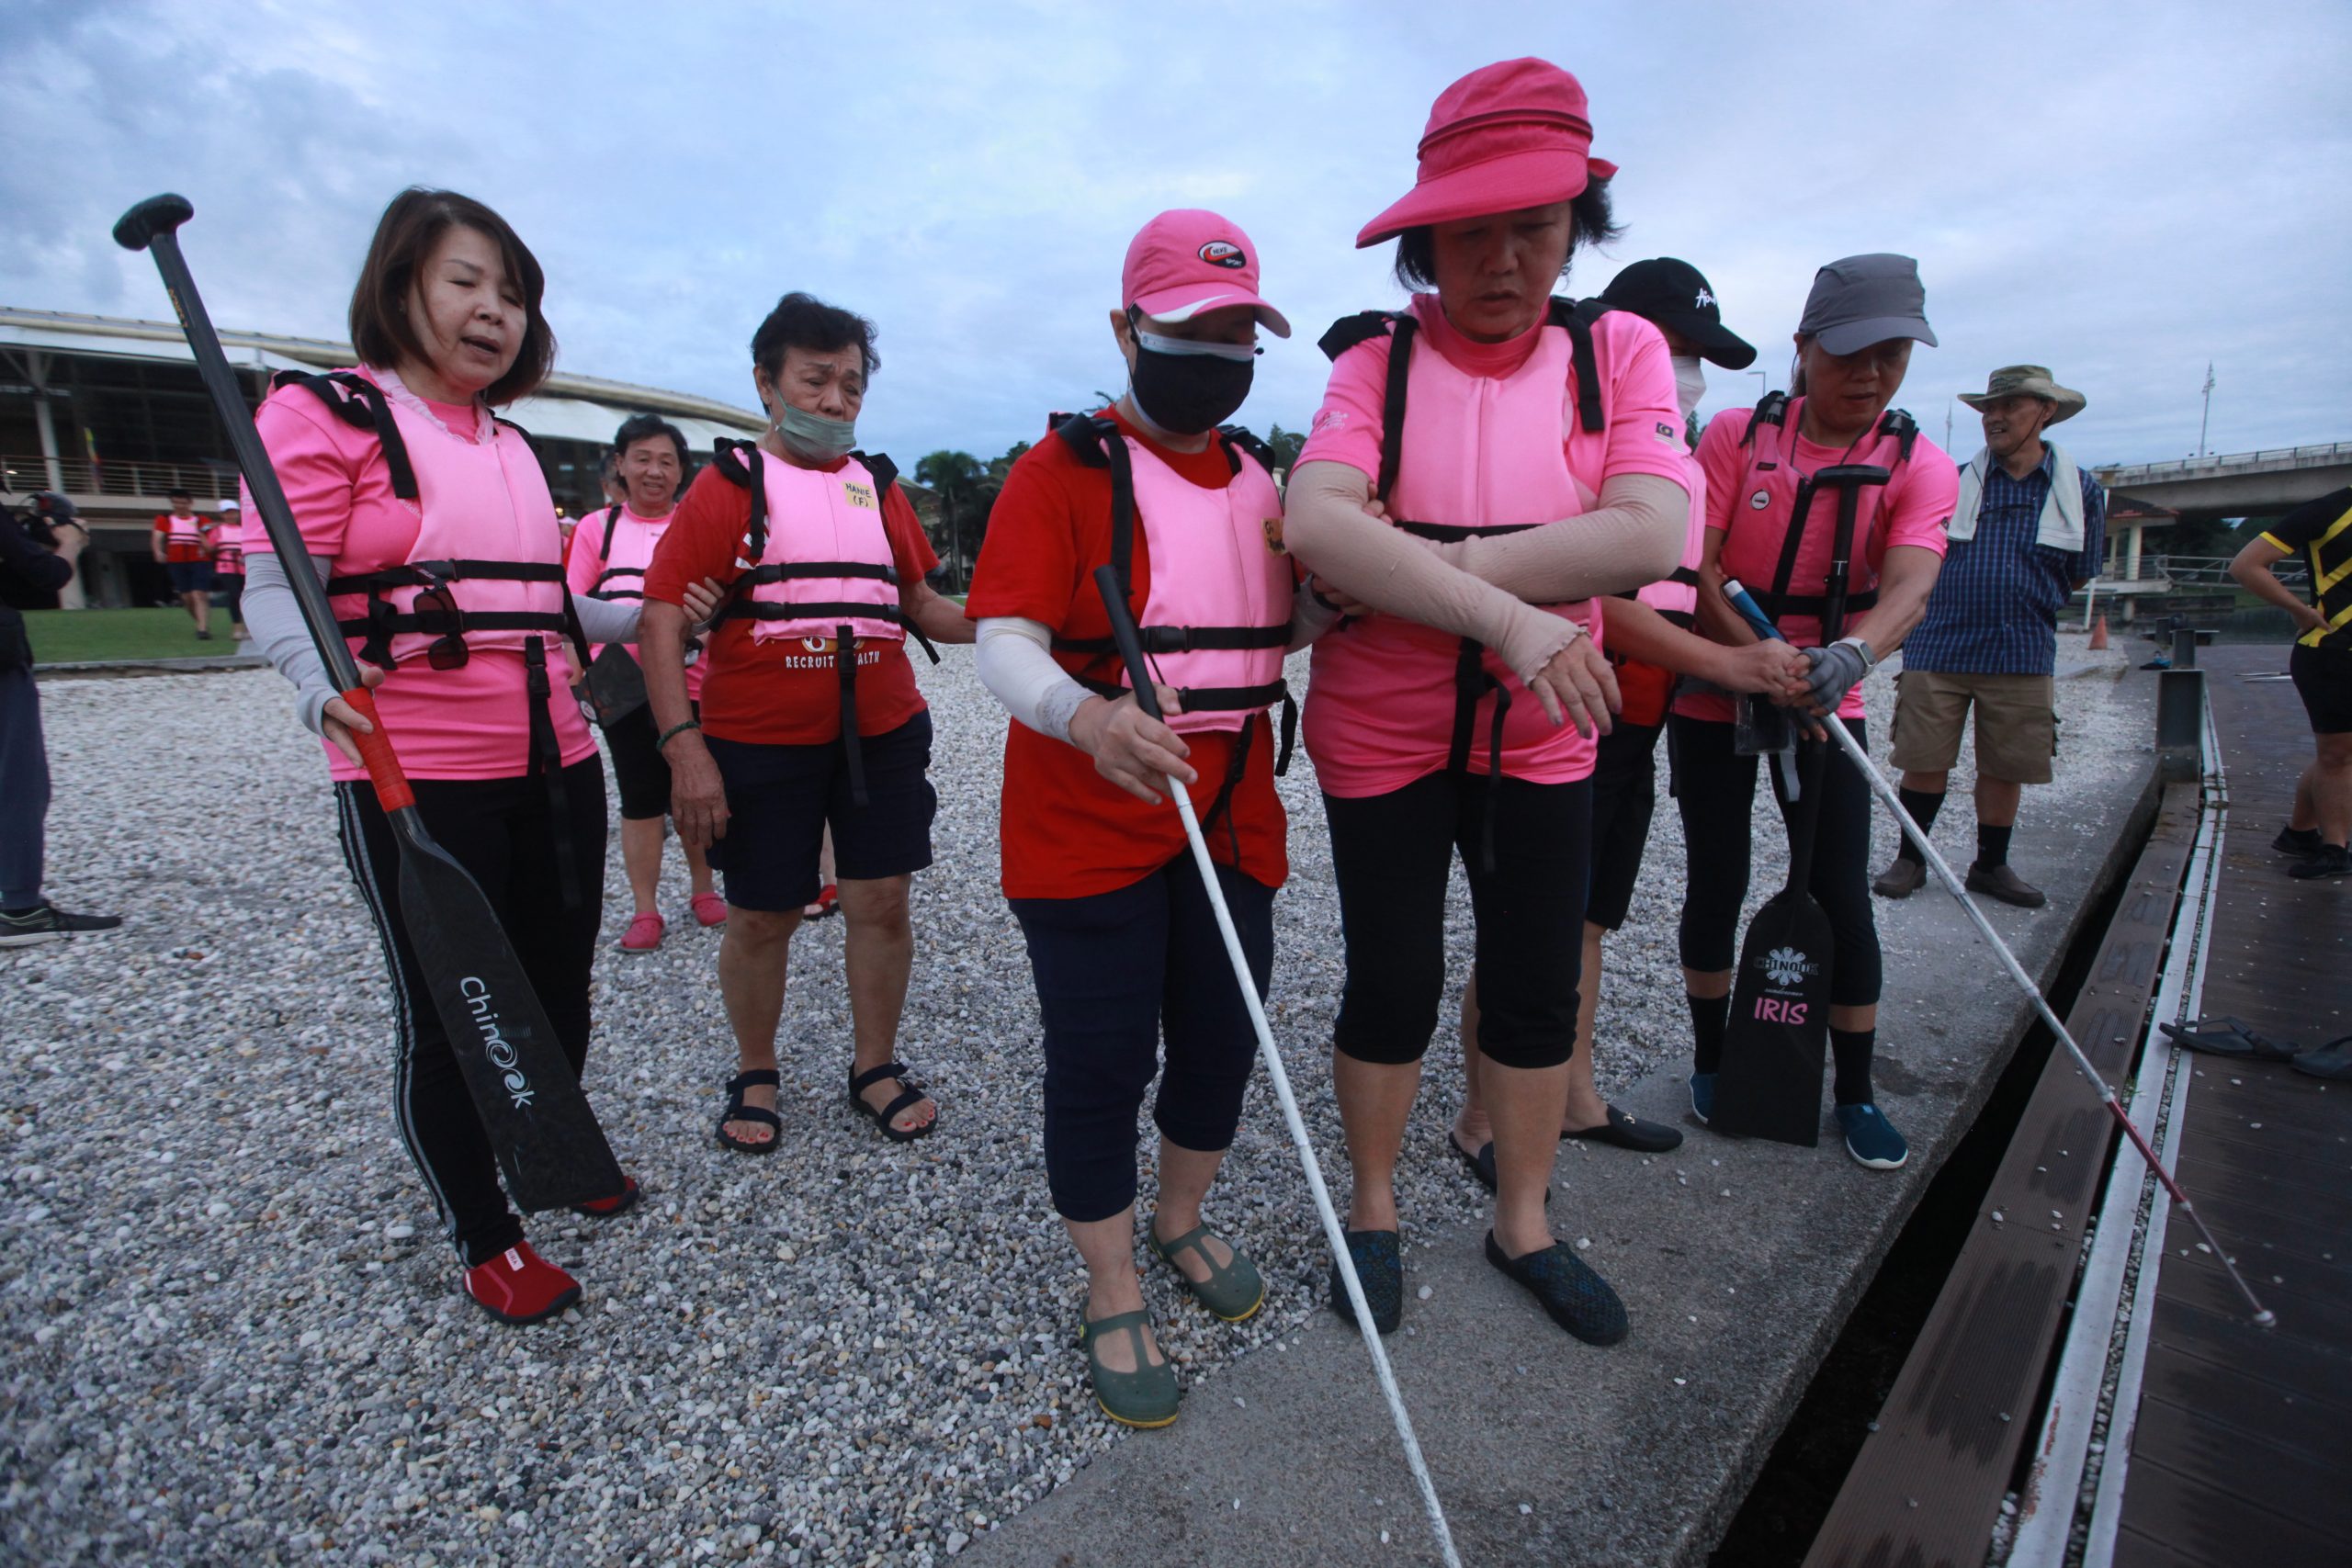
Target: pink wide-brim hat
(1508, 135)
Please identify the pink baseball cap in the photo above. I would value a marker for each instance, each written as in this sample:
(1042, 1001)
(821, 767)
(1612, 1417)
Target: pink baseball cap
(1185, 261)
(1508, 135)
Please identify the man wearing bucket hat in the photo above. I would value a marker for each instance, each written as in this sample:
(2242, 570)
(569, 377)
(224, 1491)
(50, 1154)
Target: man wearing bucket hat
(1767, 528)
(1131, 978)
(1486, 464)
(2029, 530)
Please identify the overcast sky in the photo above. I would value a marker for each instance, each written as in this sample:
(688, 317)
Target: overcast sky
(2119, 192)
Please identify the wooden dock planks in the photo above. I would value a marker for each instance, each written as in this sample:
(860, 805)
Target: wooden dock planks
(2240, 1453)
(1927, 1487)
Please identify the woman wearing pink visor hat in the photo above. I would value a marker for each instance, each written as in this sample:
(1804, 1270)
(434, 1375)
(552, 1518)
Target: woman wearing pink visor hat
(1121, 937)
(1485, 464)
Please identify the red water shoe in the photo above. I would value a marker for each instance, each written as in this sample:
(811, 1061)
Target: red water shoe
(518, 1286)
(605, 1208)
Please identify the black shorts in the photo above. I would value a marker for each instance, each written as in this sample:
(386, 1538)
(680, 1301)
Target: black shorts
(189, 576)
(1624, 794)
(2324, 680)
(641, 772)
(781, 798)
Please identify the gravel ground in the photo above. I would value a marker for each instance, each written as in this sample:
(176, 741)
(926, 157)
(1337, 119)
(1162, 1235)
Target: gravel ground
(235, 1336)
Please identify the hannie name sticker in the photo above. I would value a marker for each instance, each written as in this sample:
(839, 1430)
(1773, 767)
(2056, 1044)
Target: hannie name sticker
(860, 495)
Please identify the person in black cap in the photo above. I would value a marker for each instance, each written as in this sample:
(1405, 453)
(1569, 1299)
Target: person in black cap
(1650, 643)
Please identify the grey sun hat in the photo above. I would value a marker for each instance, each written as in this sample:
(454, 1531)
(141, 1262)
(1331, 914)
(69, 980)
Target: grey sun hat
(2033, 380)
(1865, 300)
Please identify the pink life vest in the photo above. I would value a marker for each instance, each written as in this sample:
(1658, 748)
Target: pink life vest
(1760, 546)
(184, 538)
(228, 550)
(1677, 596)
(1464, 454)
(488, 550)
(1216, 622)
(816, 563)
(623, 554)
(817, 558)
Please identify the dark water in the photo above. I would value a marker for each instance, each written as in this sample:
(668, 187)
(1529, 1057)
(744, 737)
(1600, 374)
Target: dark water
(1784, 1509)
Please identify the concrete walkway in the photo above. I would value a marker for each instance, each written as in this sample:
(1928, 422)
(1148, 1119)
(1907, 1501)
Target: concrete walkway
(1738, 1261)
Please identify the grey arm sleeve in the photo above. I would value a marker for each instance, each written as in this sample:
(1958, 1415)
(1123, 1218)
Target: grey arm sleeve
(607, 620)
(1309, 617)
(275, 621)
(1018, 669)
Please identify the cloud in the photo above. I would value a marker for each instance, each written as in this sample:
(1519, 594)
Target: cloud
(2122, 193)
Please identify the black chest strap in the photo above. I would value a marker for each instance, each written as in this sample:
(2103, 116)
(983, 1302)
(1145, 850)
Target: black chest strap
(361, 404)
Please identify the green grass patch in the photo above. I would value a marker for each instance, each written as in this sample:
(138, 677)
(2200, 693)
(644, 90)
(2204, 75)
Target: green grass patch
(80, 637)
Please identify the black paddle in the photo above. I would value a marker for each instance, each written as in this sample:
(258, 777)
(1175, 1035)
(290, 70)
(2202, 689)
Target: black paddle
(540, 1127)
(1768, 1082)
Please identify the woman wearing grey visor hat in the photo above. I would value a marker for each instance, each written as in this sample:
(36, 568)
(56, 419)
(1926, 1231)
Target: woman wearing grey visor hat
(1853, 346)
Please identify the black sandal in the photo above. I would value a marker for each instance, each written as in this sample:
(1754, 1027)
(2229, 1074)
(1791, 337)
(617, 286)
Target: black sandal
(911, 1093)
(737, 1110)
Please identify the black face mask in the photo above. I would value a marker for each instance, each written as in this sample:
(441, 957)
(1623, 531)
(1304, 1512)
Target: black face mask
(1189, 394)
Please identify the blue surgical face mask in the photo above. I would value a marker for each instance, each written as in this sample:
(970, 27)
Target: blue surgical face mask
(812, 436)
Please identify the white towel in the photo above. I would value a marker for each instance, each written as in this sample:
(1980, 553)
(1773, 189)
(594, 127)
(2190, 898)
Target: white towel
(2062, 514)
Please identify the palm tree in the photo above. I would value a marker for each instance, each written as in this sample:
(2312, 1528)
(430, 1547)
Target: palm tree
(956, 477)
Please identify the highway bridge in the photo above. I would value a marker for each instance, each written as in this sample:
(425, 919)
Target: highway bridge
(2240, 484)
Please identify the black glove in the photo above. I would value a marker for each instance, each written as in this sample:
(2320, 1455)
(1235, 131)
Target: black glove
(1835, 671)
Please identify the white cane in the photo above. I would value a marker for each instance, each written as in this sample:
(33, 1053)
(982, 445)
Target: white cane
(1123, 628)
(1754, 614)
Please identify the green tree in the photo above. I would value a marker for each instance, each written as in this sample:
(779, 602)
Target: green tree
(1285, 445)
(956, 479)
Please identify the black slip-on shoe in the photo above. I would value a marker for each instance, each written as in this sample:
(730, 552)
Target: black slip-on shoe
(1621, 1130)
(1574, 1296)
(1380, 1268)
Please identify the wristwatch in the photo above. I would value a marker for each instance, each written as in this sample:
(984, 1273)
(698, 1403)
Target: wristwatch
(1870, 659)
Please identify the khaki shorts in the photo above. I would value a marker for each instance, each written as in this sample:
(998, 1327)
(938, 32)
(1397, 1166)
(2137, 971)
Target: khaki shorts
(2017, 724)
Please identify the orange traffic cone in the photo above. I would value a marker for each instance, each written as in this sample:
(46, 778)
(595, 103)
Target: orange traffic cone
(2098, 634)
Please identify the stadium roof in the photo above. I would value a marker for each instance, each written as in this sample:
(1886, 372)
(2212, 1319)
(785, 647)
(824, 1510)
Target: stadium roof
(578, 408)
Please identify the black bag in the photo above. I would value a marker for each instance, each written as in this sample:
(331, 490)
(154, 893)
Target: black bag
(615, 685)
(1768, 1085)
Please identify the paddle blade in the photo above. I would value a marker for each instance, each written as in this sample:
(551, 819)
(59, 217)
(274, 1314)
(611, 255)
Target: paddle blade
(541, 1130)
(1770, 1083)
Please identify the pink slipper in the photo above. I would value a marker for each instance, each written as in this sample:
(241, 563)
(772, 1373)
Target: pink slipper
(644, 934)
(709, 909)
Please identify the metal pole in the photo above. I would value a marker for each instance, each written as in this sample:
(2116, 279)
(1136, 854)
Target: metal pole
(2207, 419)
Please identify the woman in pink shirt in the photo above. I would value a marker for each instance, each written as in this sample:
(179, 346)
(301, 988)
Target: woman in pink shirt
(1484, 465)
(429, 520)
(608, 554)
(1853, 346)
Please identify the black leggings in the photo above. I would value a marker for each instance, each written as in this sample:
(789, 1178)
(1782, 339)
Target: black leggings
(1117, 972)
(501, 831)
(1391, 855)
(1715, 788)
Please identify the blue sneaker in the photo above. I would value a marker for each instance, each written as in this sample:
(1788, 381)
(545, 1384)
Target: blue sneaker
(1871, 1138)
(1702, 1095)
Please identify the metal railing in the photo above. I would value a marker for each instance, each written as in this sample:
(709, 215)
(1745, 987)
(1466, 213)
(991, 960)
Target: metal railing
(2269, 459)
(2213, 571)
(19, 473)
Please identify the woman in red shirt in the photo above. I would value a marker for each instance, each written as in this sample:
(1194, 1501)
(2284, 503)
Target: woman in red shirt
(810, 717)
(1121, 936)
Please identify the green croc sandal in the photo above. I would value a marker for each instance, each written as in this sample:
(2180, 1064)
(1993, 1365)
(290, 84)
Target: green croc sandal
(1234, 1292)
(1145, 1397)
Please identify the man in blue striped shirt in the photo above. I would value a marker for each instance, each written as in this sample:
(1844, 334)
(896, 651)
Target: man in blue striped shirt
(2030, 529)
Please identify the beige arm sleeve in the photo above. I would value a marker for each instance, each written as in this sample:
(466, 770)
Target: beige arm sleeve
(1633, 538)
(1326, 527)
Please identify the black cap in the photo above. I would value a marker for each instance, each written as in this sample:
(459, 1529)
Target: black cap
(1670, 293)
